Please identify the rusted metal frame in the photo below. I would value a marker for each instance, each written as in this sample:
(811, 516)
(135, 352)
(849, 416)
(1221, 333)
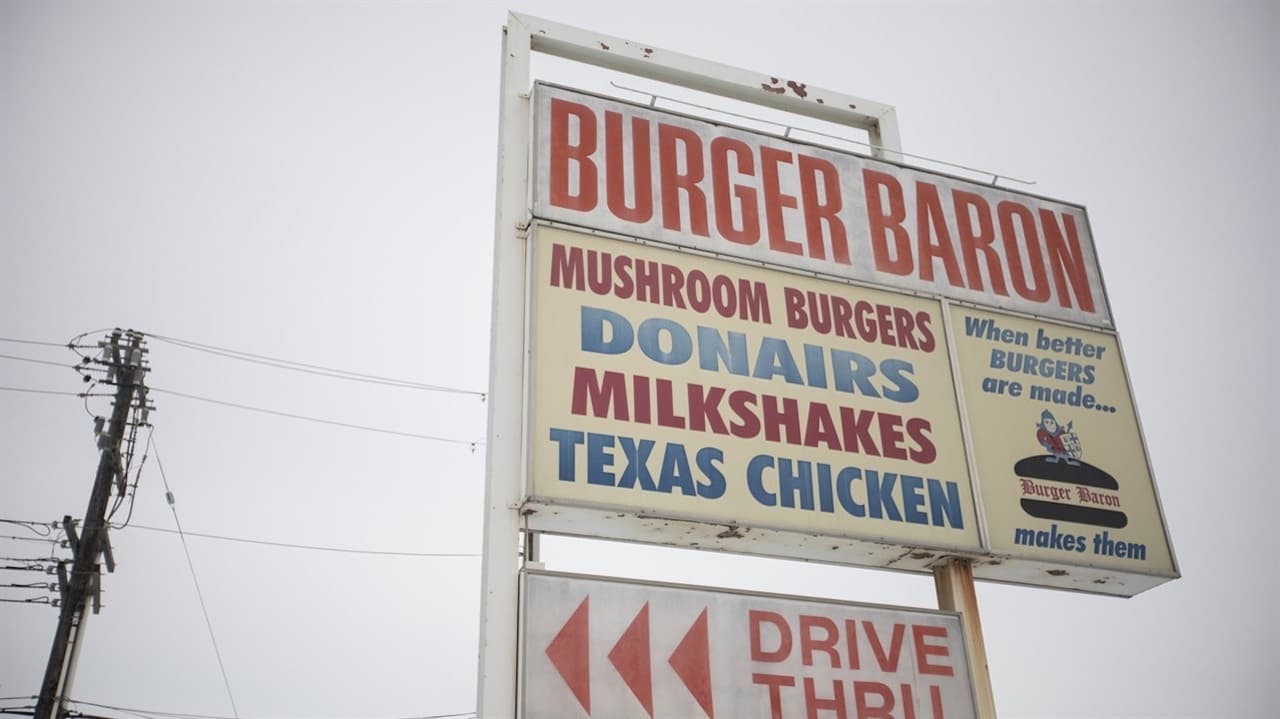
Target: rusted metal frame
(696, 73)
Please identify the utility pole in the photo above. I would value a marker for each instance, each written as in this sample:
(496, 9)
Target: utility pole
(123, 357)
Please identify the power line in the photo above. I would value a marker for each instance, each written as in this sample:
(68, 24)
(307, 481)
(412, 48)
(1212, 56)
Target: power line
(468, 443)
(321, 370)
(44, 391)
(199, 594)
(33, 342)
(289, 545)
(187, 715)
(36, 361)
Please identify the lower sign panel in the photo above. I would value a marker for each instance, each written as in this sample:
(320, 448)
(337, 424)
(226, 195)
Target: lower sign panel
(618, 650)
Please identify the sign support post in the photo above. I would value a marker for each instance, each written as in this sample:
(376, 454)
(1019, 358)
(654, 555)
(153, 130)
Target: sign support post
(953, 580)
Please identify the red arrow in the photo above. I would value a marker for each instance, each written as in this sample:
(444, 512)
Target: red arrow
(692, 663)
(568, 654)
(630, 656)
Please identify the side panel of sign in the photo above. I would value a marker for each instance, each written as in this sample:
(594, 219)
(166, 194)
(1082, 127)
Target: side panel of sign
(674, 385)
(596, 648)
(1063, 471)
(636, 171)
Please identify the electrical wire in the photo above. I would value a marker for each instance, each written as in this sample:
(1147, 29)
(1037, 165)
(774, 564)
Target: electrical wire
(45, 528)
(289, 545)
(47, 391)
(199, 594)
(321, 370)
(467, 443)
(36, 361)
(133, 494)
(32, 342)
(187, 715)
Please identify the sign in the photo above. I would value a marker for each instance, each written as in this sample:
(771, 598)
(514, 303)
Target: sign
(681, 386)
(646, 173)
(1064, 473)
(619, 650)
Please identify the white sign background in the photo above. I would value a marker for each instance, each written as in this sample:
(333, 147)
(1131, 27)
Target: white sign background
(551, 601)
(928, 218)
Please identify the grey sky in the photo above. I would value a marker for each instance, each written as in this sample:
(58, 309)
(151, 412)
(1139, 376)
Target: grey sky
(315, 181)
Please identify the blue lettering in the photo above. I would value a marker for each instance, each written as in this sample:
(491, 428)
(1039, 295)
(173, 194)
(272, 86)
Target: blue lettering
(637, 456)
(675, 471)
(714, 486)
(895, 370)
(713, 351)
(774, 358)
(880, 495)
(593, 323)
(650, 341)
(944, 504)
(755, 482)
(567, 442)
(844, 491)
(599, 459)
(790, 483)
(913, 499)
(843, 365)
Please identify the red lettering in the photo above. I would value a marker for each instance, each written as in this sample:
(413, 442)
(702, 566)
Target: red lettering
(641, 172)
(1006, 212)
(861, 690)
(816, 212)
(1066, 260)
(809, 643)
(974, 241)
(566, 266)
(755, 620)
(603, 394)
(918, 430)
(749, 234)
(673, 181)
(562, 153)
(813, 704)
(931, 224)
(924, 650)
(888, 661)
(775, 201)
(882, 222)
(775, 682)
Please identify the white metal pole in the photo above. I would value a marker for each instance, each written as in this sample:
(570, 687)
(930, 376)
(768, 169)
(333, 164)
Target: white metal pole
(499, 601)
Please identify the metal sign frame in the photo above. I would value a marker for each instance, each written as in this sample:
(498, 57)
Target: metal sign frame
(504, 480)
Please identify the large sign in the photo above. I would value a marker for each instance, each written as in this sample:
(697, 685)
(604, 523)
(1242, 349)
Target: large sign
(683, 386)
(1063, 472)
(645, 173)
(622, 650)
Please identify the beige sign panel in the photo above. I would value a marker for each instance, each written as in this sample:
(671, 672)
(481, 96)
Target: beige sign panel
(626, 650)
(648, 173)
(1063, 472)
(669, 384)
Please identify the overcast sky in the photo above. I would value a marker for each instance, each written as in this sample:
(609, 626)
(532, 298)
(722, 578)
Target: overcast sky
(314, 181)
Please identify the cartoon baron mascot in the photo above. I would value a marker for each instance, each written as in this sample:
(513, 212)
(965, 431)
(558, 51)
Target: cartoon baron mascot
(1061, 442)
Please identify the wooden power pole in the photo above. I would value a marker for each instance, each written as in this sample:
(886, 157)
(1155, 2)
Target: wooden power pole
(123, 356)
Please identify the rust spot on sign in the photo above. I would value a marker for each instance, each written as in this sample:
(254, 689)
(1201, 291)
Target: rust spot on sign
(1099, 581)
(1057, 572)
(731, 533)
(648, 51)
(775, 90)
(922, 555)
(799, 88)
(604, 46)
(819, 101)
(853, 106)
